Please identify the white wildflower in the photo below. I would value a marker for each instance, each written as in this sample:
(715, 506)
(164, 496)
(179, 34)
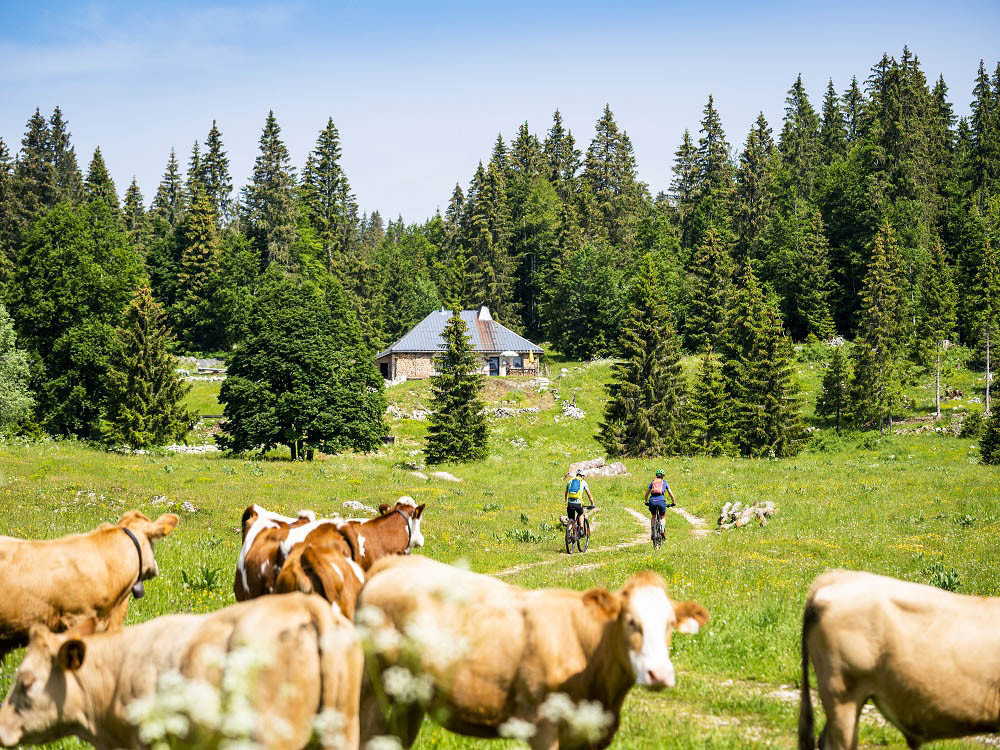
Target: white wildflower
(517, 729)
(405, 687)
(383, 742)
(369, 616)
(590, 721)
(328, 727)
(436, 645)
(557, 707)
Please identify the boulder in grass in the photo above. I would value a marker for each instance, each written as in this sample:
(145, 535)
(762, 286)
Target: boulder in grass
(596, 467)
(736, 515)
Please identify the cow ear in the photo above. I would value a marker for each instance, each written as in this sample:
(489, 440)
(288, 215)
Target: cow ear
(162, 526)
(690, 617)
(383, 509)
(71, 654)
(420, 510)
(609, 604)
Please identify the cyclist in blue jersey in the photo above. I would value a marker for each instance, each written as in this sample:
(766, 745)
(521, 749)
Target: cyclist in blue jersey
(656, 501)
(575, 489)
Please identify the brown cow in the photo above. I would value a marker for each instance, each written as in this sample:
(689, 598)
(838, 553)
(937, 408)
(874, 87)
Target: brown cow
(330, 558)
(927, 658)
(495, 660)
(263, 531)
(61, 582)
(272, 665)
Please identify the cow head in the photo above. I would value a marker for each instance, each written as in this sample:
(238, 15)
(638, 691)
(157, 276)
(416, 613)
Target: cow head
(412, 513)
(645, 619)
(45, 699)
(147, 533)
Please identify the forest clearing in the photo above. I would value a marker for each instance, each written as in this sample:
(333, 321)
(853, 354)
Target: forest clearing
(914, 506)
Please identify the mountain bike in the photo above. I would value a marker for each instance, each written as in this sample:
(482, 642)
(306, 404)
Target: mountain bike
(656, 529)
(578, 533)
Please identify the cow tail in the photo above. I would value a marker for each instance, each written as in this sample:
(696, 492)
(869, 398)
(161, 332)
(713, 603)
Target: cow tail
(340, 664)
(806, 721)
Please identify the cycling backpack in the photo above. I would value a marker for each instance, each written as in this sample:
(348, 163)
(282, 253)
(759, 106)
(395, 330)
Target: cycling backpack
(575, 489)
(657, 486)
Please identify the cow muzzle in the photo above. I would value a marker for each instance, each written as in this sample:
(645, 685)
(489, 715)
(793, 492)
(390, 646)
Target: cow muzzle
(11, 730)
(657, 679)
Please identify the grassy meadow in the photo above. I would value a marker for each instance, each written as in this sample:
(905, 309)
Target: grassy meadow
(913, 505)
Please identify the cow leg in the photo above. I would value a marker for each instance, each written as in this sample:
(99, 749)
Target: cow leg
(546, 736)
(841, 730)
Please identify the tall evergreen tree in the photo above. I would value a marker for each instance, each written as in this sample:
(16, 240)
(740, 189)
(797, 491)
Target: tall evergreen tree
(752, 205)
(34, 173)
(985, 294)
(985, 128)
(168, 204)
(145, 400)
(684, 186)
(269, 200)
(876, 387)
(937, 313)
(757, 370)
(487, 235)
(213, 174)
(329, 202)
(99, 185)
(562, 158)
(133, 208)
(711, 291)
(194, 168)
(9, 219)
(457, 429)
(832, 132)
(833, 400)
(799, 143)
(853, 104)
(198, 270)
(16, 401)
(68, 180)
(645, 415)
(709, 417)
(612, 181)
(715, 173)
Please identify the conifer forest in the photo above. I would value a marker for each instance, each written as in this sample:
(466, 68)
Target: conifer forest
(871, 216)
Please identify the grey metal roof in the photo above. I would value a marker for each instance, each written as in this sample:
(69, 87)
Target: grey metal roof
(487, 335)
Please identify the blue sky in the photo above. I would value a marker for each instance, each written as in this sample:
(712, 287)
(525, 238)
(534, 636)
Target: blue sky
(420, 91)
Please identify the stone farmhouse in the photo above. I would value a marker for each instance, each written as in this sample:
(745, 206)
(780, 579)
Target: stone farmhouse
(502, 350)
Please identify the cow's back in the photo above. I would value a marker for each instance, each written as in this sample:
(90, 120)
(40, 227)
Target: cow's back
(929, 658)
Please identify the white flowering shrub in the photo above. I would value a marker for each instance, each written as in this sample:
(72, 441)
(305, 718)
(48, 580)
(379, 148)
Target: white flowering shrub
(586, 720)
(517, 729)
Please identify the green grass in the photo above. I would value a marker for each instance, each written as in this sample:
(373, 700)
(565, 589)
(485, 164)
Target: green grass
(911, 506)
(204, 397)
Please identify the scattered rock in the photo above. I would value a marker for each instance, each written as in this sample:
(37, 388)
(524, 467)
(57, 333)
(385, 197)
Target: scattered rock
(572, 410)
(396, 413)
(736, 515)
(188, 507)
(445, 475)
(205, 448)
(413, 465)
(836, 341)
(519, 442)
(355, 505)
(596, 467)
(419, 475)
(158, 499)
(503, 412)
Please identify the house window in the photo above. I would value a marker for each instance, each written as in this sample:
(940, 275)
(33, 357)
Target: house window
(518, 362)
(494, 365)
(384, 369)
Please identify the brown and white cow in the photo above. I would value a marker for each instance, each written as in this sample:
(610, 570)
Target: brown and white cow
(330, 557)
(256, 566)
(306, 662)
(928, 659)
(497, 656)
(61, 582)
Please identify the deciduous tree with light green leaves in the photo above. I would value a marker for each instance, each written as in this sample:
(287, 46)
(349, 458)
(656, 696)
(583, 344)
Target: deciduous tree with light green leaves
(145, 396)
(457, 429)
(16, 401)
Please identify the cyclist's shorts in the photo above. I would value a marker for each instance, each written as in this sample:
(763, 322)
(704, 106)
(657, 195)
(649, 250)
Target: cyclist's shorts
(658, 503)
(573, 510)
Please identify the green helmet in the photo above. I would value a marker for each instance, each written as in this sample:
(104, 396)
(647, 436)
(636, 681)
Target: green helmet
(660, 472)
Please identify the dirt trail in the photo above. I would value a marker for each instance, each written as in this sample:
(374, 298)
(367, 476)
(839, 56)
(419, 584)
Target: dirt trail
(697, 522)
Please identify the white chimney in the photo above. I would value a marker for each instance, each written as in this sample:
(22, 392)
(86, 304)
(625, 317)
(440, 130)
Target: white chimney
(484, 313)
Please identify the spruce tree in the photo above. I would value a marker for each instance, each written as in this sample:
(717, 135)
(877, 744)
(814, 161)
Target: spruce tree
(989, 443)
(68, 180)
(937, 313)
(213, 174)
(457, 428)
(487, 240)
(269, 200)
(876, 387)
(645, 415)
(709, 416)
(34, 173)
(852, 106)
(799, 143)
(752, 204)
(194, 168)
(713, 191)
(99, 185)
(9, 220)
(145, 401)
(985, 296)
(611, 178)
(711, 291)
(684, 186)
(832, 132)
(198, 270)
(168, 204)
(16, 401)
(562, 158)
(757, 370)
(328, 200)
(833, 400)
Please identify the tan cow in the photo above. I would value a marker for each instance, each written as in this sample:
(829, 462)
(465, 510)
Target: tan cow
(305, 662)
(495, 660)
(927, 658)
(263, 531)
(61, 582)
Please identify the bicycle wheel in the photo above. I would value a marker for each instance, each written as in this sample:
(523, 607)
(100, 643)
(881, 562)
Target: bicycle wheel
(570, 537)
(657, 533)
(583, 541)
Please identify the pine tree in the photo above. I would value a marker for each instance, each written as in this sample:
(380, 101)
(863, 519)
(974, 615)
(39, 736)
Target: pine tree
(329, 202)
(16, 401)
(611, 178)
(145, 402)
(985, 293)
(752, 204)
(937, 312)
(9, 224)
(711, 291)
(684, 185)
(853, 104)
(487, 240)
(68, 180)
(562, 158)
(876, 387)
(985, 125)
(269, 200)
(34, 173)
(168, 204)
(213, 174)
(194, 168)
(457, 428)
(799, 143)
(133, 209)
(709, 417)
(713, 192)
(989, 444)
(645, 415)
(833, 400)
(832, 132)
(99, 185)
(757, 370)
(198, 269)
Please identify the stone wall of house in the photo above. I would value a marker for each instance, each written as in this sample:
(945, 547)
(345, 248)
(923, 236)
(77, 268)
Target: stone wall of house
(414, 366)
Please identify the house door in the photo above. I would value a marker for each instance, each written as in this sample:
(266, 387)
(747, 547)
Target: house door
(494, 365)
